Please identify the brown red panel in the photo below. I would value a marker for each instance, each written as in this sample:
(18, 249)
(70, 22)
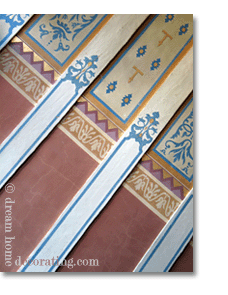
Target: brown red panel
(13, 108)
(44, 185)
(118, 238)
(185, 261)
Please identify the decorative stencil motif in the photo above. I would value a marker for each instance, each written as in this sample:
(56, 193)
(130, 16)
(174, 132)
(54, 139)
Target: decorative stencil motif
(14, 20)
(63, 29)
(147, 188)
(176, 146)
(60, 35)
(144, 130)
(169, 17)
(155, 64)
(8, 22)
(144, 62)
(183, 29)
(126, 100)
(111, 87)
(89, 136)
(81, 73)
(141, 51)
(21, 76)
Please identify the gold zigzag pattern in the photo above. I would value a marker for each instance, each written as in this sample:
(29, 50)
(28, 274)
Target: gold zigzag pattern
(165, 174)
(100, 116)
(36, 57)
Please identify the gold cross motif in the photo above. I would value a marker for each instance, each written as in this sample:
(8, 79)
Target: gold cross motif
(166, 35)
(137, 71)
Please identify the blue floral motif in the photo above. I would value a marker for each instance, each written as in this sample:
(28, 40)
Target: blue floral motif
(181, 150)
(183, 29)
(14, 20)
(81, 72)
(144, 130)
(155, 64)
(185, 169)
(64, 28)
(111, 87)
(169, 17)
(141, 51)
(126, 100)
(186, 128)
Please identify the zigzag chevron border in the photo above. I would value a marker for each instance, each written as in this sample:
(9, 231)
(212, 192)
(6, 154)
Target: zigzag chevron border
(34, 60)
(164, 177)
(147, 162)
(109, 175)
(99, 119)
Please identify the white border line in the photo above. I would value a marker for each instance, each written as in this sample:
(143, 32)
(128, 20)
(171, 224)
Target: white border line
(171, 241)
(110, 174)
(32, 130)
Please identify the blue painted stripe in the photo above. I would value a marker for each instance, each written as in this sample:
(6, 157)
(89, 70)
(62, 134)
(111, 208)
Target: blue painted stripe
(179, 250)
(12, 26)
(34, 111)
(162, 156)
(166, 233)
(27, 120)
(79, 198)
(151, 88)
(96, 210)
(3, 42)
(10, 34)
(48, 52)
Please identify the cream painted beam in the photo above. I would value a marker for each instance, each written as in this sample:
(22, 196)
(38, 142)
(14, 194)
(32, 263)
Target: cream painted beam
(10, 24)
(171, 241)
(110, 174)
(32, 130)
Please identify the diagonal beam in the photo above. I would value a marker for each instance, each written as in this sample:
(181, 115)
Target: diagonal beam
(11, 25)
(32, 130)
(110, 174)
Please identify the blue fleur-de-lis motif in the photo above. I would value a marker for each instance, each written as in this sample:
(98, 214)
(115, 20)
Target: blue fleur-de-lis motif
(81, 72)
(183, 29)
(144, 130)
(169, 17)
(141, 51)
(111, 87)
(126, 100)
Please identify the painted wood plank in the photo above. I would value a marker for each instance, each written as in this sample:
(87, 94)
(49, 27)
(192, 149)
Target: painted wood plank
(109, 175)
(10, 24)
(32, 130)
(171, 241)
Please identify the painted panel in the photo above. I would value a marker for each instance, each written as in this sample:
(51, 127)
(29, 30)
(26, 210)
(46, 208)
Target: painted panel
(144, 62)
(93, 132)
(60, 35)
(176, 146)
(10, 24)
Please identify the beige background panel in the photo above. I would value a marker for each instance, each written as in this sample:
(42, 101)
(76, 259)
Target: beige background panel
(46, 56)
(153, 193)
(163, 163)
(101, 107)
(22, 76)
(143, 64)
(78, 127)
